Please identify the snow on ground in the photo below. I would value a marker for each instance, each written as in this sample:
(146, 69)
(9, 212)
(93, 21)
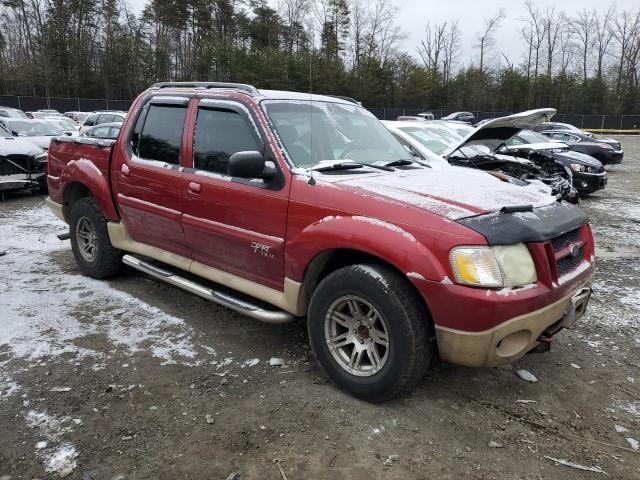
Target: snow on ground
(47, 310)
(57, 456)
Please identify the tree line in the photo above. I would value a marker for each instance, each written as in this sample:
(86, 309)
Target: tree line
(585, 62)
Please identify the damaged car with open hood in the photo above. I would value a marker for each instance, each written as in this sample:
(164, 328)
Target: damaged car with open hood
(287, 207)
(486, 149)
(470, 151)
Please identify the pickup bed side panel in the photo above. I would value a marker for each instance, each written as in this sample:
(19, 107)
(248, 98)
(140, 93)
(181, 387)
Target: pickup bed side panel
(84, 161)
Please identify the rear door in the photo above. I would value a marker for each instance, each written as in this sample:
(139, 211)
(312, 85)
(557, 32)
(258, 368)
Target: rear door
(147, 181)
(235, 225)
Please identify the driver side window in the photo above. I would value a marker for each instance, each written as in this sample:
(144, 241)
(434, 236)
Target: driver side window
(219, 134)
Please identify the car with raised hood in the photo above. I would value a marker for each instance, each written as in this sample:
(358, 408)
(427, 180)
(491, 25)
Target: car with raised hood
(471, 152)
(588, 174)
(23, 165)
(606, 150)
(39, 132)
(427, 144)
(288, 206)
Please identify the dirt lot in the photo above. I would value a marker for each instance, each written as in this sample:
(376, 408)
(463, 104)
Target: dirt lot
(134, 379)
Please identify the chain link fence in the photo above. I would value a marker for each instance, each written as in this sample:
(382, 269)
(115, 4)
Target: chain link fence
(61, 104)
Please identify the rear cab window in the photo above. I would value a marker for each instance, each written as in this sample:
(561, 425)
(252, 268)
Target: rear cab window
(159, 134)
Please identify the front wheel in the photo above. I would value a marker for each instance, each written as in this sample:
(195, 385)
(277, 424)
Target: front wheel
(370, 331)
(90, 242)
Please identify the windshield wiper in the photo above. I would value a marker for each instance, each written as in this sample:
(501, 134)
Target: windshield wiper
(395, 163)
(336, 165)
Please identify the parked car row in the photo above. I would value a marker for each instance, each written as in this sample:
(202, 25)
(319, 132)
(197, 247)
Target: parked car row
(522, 147)
(21, 160)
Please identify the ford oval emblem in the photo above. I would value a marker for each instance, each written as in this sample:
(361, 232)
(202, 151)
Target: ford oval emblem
(575, 250)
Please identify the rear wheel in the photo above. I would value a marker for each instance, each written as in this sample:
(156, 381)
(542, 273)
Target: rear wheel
(370, 331)
(92, 249)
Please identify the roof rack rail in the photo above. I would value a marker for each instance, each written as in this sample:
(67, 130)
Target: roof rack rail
(207, 85)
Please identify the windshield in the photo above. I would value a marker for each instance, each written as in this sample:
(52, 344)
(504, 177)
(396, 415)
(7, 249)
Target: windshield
(34, 129)
(528, 136)
(438, 143)
(317, 131)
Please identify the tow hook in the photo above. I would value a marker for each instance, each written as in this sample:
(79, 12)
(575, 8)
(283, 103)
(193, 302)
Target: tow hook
(544, 344)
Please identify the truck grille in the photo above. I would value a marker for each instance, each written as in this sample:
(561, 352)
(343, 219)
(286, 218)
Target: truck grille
(566, 260)
(20, 164)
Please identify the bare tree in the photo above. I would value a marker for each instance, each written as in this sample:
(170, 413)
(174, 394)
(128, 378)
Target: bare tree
(582, 26)
(533, 33)
(486, 39)
(603, 27)
(553, 23)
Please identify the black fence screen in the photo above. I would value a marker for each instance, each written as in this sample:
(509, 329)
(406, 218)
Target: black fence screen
(596, 122)
(607, 122)
(28, 104)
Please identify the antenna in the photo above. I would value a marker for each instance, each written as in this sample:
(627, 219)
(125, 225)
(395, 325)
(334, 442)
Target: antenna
(312, 180)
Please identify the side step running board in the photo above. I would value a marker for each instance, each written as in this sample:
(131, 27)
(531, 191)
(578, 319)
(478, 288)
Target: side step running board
(221, 298)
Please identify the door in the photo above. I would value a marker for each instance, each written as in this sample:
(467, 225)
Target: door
(231, 224)
(147, 181)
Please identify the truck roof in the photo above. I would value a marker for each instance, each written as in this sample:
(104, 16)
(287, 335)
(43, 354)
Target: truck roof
(250, 90)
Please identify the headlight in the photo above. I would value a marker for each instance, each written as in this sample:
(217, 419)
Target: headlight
(577, 167)
(501, 266)
(41, 158)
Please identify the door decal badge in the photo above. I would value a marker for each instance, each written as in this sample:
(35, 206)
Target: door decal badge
(262, 249)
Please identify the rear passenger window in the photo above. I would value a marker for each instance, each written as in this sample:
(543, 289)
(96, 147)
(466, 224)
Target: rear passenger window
(104, 119)
(162, 134)
(91, 120)
(219, 134)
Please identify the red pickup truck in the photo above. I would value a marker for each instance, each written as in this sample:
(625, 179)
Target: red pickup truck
(286, 205)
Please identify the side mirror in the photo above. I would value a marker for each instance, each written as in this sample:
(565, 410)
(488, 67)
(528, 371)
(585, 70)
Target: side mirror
(15, 133)
(68, 134)
(249, 164)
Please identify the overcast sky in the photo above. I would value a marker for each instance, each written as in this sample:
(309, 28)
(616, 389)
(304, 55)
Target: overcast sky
(414, 14)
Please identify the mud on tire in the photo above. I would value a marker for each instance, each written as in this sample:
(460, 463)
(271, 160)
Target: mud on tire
(358, 309)
(92, 249)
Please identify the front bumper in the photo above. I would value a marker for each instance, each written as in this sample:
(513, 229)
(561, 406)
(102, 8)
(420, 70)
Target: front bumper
(512, 339)
(613, 157)
(17, 182)
(587, 183)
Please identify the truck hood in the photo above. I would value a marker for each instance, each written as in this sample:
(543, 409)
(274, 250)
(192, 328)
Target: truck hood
(452, 192)
(18, 146)
(501, 129)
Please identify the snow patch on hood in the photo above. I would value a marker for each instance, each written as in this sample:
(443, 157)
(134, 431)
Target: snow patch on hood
(18, 146)
(452, 193)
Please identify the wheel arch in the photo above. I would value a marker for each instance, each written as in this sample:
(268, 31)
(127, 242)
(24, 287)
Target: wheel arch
(328, 261)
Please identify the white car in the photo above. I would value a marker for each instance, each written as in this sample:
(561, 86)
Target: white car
(38, 132)
(104, 116)
(67, 125)
(429, 141)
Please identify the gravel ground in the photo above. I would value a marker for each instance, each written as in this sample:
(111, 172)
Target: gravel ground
(134, 379)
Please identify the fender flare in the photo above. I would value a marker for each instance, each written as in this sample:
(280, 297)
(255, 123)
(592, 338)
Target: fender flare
(387, 241)
(86, 173)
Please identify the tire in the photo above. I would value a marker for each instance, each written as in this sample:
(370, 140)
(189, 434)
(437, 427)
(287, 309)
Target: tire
(398, 310)
(86, 220)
